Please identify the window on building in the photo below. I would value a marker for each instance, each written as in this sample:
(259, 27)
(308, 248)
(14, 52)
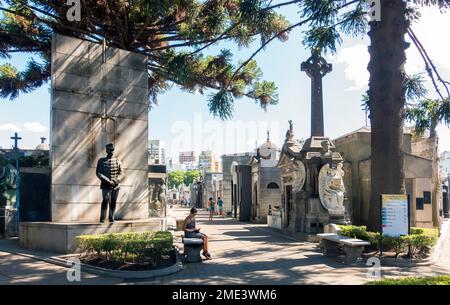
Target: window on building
(419, 203)
(426, 197)
(273, 185)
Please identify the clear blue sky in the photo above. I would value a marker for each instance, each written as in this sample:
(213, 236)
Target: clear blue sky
(182, 119)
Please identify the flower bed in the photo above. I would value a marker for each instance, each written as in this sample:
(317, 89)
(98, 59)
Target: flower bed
(128, 251)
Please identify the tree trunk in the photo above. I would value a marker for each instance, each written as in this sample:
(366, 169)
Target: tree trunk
(435, 184)
(433, 126)
(387, 100)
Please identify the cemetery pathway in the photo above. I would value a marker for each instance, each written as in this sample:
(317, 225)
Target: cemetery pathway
(242, 253)
(23, 267)
(254, 254)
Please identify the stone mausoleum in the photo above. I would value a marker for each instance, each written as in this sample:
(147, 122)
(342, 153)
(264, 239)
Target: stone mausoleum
(99, 95)
(421, 177)
(312, 185)
(230, 181)
(266, 191)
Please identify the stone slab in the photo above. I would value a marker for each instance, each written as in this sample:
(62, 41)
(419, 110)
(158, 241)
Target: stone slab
(274, 221)
(63, 100)
(75, 211)
(354, 242)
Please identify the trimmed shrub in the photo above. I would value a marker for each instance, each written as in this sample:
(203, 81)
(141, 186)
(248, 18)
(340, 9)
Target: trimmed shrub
(374, 239)
(397, 244)
(126, 247)
(426, 231)
(361, 232)
(429, 280)
(415, 230)
(420, 242)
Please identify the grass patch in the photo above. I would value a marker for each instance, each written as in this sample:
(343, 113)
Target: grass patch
(429, 280)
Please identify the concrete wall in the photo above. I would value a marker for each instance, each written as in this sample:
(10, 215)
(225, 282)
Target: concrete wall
(355, 148)
(423, 147)
(423, 217)
(83, 89)
(363, 193)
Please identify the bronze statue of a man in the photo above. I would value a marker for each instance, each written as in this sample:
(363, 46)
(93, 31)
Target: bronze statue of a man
(109, 171)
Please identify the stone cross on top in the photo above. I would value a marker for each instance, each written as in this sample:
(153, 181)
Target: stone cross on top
(16, 139)
(316, 67)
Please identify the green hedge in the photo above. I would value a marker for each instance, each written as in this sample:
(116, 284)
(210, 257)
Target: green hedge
(429, 280)
(419, 240)
(360, 232)
(127, 247)
(426, 231)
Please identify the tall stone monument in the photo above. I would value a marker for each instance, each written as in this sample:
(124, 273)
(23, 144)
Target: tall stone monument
(98, 96)
(316, 68)
(312, 175)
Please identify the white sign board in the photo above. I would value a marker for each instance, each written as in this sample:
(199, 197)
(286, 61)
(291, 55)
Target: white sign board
(394, 215)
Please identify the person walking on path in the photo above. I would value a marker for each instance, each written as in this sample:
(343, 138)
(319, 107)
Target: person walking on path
(211, 204)
(220, 205)
(191, 231)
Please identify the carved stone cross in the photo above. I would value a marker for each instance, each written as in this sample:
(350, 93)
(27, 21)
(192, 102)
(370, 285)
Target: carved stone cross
(16, 139)
(316, 68)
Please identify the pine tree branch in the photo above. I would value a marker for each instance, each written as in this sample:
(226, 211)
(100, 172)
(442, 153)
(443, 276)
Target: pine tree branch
(430, 67)
(117, 26)
(277, 35)
(144, 27)
(227, 31)
(261, 48)
(33, 8)
(166, 74)
(54, 25)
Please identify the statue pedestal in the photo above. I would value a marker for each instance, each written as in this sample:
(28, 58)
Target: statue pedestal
(274, 221)
(339, 219)
(311, 216)
(61, 237)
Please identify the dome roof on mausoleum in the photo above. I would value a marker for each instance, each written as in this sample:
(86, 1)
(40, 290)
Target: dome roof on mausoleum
(268, 145)
(42, 146)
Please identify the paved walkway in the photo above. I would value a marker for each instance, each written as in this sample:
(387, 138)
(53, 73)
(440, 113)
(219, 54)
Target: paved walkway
(242, 254)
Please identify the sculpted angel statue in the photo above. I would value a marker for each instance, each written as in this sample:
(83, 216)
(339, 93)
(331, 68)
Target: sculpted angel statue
(331, 187)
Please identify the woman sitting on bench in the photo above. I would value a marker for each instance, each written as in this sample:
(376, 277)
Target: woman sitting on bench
(192, 232)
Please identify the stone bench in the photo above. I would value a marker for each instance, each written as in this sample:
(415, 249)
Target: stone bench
(332, 243)
(192, 249)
